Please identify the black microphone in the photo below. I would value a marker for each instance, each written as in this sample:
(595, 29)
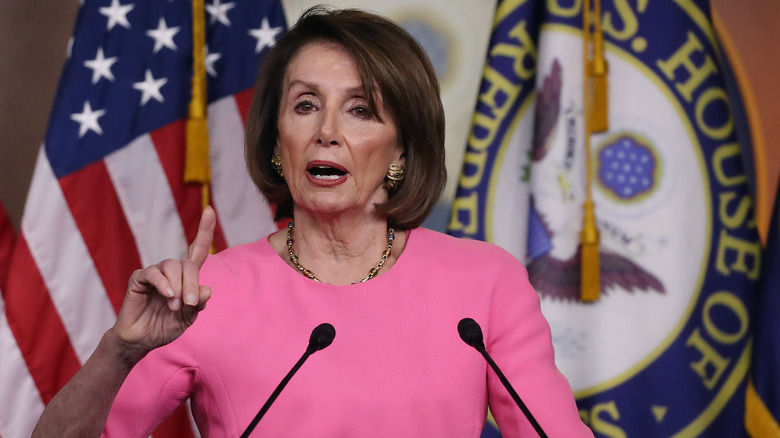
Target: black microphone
(471, 334)
(321, 337)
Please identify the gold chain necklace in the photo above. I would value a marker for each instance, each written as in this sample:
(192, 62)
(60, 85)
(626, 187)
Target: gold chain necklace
(308, 273)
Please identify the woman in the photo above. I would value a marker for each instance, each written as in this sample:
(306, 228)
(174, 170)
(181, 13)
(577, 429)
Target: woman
(346, 137)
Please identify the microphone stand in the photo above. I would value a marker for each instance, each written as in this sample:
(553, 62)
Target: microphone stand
(471, 333)
(512, 392)
(275, 394)
(321, 337)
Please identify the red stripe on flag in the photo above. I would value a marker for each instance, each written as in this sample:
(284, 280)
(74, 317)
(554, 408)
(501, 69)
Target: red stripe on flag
(37, 326)
(219, 243)
(7, 238)
(106, 231)
(244, 101)
(169, 141)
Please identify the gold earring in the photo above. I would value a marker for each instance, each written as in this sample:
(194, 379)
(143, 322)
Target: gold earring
(394, 175)
(276, 163)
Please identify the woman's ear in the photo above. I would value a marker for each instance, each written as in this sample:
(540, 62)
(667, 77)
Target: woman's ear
(401, 157)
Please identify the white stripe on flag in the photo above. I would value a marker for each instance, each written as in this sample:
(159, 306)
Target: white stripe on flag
(243, 212)
(67, 271)
(147, 201)
(22, 404)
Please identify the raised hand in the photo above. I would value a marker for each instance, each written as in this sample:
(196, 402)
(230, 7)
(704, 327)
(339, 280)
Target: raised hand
(161, 302)
(164, 299)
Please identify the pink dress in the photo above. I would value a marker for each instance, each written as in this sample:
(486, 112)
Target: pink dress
(397, 367)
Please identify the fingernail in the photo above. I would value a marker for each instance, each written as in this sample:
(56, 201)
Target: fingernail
(175, 305)
(169, 293)
(189, 300)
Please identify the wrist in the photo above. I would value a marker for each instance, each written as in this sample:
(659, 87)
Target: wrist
(127, 355)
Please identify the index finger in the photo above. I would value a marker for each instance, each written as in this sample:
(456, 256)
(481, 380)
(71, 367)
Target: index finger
(200, 247)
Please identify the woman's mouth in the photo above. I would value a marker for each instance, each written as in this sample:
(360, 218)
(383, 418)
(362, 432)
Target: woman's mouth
(325, 173)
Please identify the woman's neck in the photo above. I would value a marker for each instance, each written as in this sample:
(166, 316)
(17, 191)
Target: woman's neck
(339, 250)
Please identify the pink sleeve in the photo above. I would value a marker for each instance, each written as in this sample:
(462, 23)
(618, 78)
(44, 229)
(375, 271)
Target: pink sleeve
(152, 391)
(519, 341)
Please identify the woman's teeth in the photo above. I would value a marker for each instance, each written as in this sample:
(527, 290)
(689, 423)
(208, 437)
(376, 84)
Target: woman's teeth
(326, 173)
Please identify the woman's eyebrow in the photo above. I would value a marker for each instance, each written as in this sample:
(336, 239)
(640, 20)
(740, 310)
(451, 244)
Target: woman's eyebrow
(355, 91)
(304, 84)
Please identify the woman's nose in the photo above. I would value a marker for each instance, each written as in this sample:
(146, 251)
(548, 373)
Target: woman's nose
(329, 128)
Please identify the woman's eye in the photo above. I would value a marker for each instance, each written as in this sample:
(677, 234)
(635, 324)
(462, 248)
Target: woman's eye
(361, 111)
(304, 106)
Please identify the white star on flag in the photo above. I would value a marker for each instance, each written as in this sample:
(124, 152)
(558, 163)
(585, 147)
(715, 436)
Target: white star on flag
(117, 14)
(163, 36)
(88, 120)
(150, 88)
(265, 34)
(101, 66)
(209, 61)
(219, 11)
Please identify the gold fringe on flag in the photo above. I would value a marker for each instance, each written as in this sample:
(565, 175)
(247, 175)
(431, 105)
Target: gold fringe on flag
(596, 120)
(197, 168)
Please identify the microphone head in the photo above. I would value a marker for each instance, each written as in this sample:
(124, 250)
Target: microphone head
(321, 337)
(471, 333)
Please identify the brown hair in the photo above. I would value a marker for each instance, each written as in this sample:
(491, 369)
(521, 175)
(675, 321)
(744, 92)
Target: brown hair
(390, 62)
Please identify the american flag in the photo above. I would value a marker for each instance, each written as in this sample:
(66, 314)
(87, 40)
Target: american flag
(107, 194)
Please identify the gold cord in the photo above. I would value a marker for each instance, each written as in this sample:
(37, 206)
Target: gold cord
(595, 120)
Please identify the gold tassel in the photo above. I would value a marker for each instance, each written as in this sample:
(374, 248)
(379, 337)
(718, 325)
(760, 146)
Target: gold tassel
(197, 168)
(590, 281)
(599, 118)
(594, 93)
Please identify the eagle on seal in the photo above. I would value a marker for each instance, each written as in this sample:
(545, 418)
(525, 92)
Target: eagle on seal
(555, 278)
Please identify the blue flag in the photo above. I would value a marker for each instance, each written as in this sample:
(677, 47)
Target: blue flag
(666, 349)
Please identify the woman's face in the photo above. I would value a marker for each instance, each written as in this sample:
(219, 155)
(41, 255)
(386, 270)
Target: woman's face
(334, 151)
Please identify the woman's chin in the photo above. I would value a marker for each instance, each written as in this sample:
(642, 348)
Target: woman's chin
(335, 206)
(330, 205)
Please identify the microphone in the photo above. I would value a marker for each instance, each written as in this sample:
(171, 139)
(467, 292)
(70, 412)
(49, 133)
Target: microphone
(320, 338)
(471, 333)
